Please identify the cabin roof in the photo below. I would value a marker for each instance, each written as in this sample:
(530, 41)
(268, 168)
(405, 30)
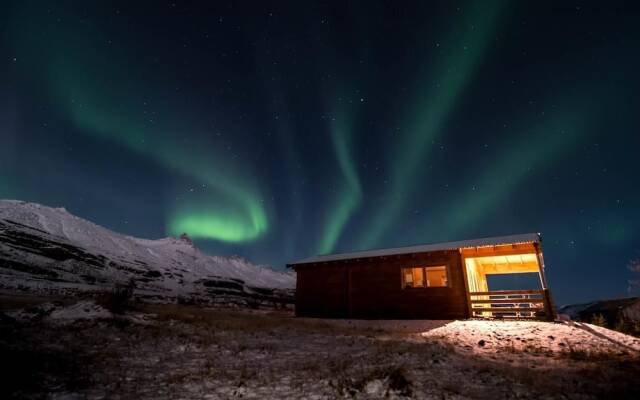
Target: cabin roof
(424, 248)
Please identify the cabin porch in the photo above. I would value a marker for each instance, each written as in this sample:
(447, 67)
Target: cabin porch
(487, 273)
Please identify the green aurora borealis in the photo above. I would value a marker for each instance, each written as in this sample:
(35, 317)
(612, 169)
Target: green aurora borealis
(350, 189)
(292, 130)
(433, 104)
(101, 105)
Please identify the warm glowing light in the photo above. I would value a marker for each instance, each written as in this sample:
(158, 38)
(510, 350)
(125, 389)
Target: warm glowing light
(479, 267)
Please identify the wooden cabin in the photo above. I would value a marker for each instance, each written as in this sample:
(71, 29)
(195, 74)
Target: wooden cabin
(450, 280)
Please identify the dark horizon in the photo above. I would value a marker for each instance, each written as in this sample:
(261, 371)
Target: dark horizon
(278, 131)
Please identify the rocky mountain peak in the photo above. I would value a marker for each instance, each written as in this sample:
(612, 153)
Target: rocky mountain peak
(185, 238)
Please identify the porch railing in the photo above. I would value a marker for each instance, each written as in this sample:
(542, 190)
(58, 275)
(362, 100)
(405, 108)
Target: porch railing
(515, 304)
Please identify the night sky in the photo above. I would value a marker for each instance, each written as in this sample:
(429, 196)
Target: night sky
(279, 131)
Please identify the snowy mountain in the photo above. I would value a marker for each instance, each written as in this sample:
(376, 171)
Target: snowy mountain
(48, 249)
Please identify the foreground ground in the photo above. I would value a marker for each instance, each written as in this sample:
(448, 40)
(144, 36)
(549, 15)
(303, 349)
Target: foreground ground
(82, 351)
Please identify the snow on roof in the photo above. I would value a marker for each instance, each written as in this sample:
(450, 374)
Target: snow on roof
(424, 248)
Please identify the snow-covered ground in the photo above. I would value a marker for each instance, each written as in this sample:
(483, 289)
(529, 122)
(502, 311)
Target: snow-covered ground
(534, 337)
(491, 336)
(198, 353)
(48, 249)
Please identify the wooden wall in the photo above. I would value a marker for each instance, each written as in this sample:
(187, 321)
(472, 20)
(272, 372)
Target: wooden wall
(372, 288)
(322, 291)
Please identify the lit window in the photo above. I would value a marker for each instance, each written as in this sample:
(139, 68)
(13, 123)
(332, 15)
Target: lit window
(414, 277)
(436, 276)
(419, 277)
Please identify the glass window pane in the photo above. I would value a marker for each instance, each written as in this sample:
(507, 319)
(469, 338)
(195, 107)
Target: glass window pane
(436, 276)
(408, 277)
(418, 277)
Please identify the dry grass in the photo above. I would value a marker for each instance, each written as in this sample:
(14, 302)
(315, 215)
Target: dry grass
(582, 353)
(12, 301)
(249, 321)
(190, 352)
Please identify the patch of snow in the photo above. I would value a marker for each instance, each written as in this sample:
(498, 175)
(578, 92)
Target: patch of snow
(81, 310)
(32, 313)
(375, 387)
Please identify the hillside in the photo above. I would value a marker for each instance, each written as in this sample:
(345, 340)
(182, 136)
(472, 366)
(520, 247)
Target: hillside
(48, 250)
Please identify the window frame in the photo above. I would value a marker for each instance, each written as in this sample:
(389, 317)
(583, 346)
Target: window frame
(424, 268)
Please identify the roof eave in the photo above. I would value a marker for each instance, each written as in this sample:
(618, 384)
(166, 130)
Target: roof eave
(443, 246)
